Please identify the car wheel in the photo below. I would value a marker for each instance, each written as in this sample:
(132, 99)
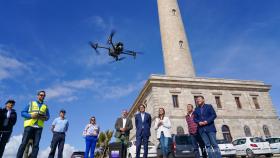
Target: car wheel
(234, 156)
(243, 156)
(250, 153)
(268, 155)
(129, 156)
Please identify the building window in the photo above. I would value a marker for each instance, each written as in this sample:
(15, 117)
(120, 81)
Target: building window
(175, 101)
(255, 100)
(238, 103)
(180, 130)
(181, 44)
(174, 11)
(247, 131)
(266, 131)
(226, 133)
(218, 101)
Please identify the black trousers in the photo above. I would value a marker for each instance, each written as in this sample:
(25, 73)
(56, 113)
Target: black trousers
(57, 141)
(4, 138)
(30, 132)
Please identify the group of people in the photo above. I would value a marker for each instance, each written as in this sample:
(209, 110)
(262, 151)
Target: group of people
(200, 123)
(199, 120)
(35, 114)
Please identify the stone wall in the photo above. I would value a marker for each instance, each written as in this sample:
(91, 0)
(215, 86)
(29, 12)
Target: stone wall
(160, 95)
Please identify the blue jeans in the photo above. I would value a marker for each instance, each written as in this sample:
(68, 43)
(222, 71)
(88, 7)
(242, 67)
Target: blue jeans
(28, 133)
(197, 143)
(164, 145)
(209, 139)
(90, 146)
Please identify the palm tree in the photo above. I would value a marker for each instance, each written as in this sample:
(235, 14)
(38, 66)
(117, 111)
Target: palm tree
(103, 143)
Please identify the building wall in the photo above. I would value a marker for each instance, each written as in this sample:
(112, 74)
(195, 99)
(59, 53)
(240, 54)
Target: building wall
(229, 114)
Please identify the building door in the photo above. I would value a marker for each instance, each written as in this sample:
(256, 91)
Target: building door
(247, 131)
(226, 133)
(266, 131)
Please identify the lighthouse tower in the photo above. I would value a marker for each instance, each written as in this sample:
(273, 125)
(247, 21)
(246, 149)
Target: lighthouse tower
(176, 51)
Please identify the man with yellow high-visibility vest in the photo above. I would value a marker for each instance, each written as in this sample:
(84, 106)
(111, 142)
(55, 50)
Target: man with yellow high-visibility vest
(35, 114)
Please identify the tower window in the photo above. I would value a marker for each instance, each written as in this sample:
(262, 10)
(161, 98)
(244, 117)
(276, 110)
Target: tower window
(218, 101)
(175, 101)
(255, 100)
(174, 11)
(238, 103)
(181, 44)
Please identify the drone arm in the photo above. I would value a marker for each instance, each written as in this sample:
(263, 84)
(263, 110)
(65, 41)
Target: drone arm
(129, 53)
(103, 47)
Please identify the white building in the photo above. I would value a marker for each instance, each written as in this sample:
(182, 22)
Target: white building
(244, 108)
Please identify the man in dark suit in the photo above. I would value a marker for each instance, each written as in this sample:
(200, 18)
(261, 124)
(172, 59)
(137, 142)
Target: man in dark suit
(123, 126)
(8, 118)
(143, 125)
(204, 116)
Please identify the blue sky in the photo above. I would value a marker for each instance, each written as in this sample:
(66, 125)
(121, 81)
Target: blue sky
(43, 45)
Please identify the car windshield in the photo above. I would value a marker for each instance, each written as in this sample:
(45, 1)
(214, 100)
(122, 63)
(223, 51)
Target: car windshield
(273, 140)
(221, 141)
(257, 140)
(78, 153)
(150, 144)
(183, 140)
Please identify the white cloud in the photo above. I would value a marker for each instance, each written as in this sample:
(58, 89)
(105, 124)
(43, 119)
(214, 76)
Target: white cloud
(10, 67)
(79, 83)
(65, 91)
(67, 151)
(13, 145)
(100, 22)
(111, 92)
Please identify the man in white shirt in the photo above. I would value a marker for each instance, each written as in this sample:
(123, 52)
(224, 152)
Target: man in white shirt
(123, 126)
(59, 128)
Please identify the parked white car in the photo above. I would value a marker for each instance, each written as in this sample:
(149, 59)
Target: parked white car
(274, 144)
(227, 149)
(251, 146)
(131, 150)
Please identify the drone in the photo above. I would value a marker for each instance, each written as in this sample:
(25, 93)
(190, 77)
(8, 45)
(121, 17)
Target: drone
(115, 50)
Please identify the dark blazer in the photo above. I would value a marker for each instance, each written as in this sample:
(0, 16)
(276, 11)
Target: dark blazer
(146, 124)
(205, 113)
(11, 122)
(119, 124)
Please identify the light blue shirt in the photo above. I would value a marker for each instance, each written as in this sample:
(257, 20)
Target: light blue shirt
(60, 125)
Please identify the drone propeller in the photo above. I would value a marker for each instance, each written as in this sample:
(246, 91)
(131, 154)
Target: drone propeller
(111, 37)
(94, 46)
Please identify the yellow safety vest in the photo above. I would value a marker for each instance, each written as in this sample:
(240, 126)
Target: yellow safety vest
(34, 108)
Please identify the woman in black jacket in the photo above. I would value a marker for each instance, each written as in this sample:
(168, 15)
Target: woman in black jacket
(8, 118)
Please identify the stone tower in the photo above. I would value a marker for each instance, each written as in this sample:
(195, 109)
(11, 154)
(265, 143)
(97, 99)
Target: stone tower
(176, 52)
